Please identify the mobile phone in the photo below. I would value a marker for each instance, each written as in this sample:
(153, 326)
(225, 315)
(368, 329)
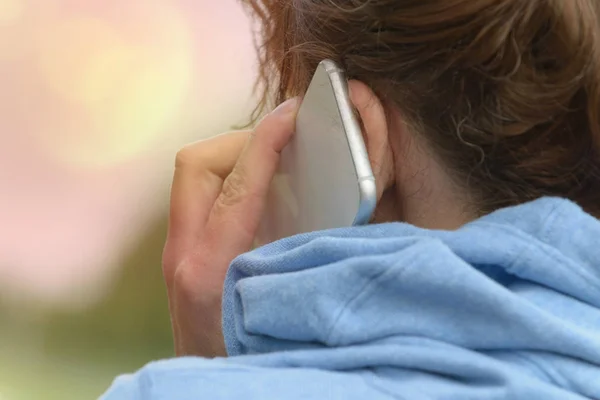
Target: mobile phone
(324, 179)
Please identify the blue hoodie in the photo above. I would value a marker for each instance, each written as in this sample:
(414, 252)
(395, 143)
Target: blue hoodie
(506, 307)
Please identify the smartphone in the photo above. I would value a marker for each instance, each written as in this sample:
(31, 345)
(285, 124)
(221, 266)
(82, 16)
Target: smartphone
(324, 179)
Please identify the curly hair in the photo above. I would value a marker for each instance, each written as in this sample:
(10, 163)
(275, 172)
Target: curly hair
(506, 92)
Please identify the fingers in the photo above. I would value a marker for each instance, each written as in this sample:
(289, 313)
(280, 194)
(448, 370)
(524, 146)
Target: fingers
(217, 197)
(200, 170)
(238, 209)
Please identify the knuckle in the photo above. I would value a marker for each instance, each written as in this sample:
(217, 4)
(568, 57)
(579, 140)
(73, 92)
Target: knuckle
(169, 258)
(233, 190)
(170, 264)
(185, 280)
(196, 282)
(187, 156)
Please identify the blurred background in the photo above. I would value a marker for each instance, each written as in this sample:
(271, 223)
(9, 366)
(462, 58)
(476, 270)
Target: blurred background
(96, 96)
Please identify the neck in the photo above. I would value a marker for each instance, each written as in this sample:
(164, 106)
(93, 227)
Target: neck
(425, 194)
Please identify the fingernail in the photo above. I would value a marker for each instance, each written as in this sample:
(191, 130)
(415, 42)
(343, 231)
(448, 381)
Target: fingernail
(287, 106)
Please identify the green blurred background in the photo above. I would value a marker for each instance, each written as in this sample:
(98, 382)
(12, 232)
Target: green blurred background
(96, 98)
(55, 354)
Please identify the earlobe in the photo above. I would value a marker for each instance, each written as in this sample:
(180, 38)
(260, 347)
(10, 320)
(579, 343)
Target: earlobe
(375, 131)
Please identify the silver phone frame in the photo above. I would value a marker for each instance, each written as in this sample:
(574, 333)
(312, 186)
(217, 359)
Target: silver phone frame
(360, 157)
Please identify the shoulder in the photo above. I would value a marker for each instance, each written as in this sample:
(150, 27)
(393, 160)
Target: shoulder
(198, 378)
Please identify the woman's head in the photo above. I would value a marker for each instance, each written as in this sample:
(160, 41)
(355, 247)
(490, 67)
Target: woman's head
(506, 93)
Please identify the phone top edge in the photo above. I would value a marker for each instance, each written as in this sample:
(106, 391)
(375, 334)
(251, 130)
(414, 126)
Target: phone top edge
(330, 66)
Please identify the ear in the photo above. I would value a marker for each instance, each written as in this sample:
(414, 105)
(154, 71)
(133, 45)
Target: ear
(376, 134)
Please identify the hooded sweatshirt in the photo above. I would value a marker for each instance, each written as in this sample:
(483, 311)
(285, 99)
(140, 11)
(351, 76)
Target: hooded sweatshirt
(506, 307)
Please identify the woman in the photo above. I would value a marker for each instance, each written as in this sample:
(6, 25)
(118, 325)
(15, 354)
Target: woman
(481, 119)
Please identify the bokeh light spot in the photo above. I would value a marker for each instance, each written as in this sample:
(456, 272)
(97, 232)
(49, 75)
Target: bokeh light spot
(125, 92)
(83, 60)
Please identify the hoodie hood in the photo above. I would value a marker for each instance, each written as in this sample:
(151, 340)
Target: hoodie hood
(511, 300)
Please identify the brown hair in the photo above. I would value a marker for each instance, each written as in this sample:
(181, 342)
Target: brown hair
(507, 92)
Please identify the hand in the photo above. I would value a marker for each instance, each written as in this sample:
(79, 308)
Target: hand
(217, 200)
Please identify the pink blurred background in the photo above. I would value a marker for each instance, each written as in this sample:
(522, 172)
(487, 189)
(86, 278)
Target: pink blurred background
(96, 97)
